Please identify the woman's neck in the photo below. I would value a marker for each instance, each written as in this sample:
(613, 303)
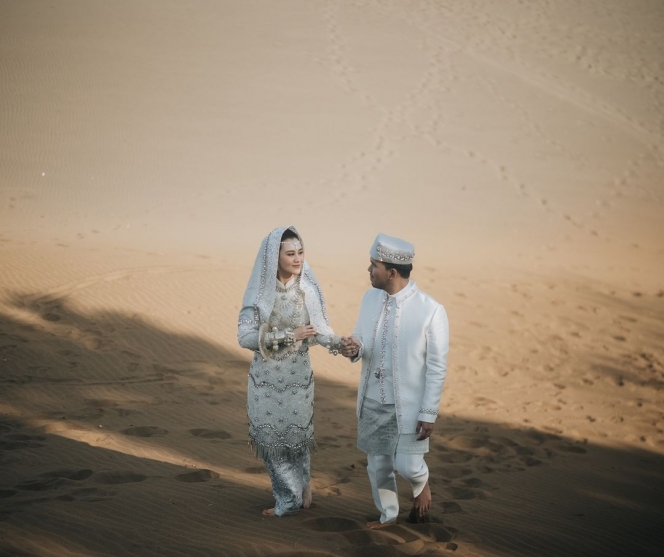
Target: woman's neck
(284, 279)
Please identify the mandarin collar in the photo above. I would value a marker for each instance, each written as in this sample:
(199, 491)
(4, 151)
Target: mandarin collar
(404, 292)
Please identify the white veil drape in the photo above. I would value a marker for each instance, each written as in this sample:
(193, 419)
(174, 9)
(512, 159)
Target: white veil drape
(258, 300)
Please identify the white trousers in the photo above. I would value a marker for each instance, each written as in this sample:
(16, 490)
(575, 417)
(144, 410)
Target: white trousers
(381, 469)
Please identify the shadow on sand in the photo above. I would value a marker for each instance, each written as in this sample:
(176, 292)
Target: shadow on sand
(69, 488)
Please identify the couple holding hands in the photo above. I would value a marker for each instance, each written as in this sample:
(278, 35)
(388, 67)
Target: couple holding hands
(402, 340)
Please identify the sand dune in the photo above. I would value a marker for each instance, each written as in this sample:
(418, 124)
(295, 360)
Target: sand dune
(147, 148)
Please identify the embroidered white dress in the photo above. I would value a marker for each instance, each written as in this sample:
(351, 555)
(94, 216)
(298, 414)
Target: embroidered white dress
(280, 388)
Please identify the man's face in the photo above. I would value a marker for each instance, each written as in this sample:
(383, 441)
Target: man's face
(378, 274)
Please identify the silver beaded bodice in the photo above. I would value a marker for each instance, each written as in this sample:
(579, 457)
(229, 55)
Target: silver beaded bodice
(281, 387)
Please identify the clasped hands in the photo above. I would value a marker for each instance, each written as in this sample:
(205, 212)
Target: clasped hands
(350, 347)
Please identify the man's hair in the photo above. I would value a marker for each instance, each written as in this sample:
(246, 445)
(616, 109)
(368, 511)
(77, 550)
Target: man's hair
(403, 270)
(288, 234)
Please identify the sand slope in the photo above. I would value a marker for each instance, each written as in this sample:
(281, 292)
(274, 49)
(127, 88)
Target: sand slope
(146, 148)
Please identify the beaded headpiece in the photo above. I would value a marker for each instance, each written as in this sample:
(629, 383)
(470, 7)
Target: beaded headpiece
(297, 245)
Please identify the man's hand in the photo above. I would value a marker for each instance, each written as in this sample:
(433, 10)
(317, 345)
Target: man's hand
(350, 347)
(425, 429)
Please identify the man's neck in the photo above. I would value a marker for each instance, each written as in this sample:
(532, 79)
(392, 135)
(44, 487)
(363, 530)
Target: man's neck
(396, 286)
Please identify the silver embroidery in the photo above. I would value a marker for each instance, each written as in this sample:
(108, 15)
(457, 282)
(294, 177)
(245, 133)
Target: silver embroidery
(381, 369)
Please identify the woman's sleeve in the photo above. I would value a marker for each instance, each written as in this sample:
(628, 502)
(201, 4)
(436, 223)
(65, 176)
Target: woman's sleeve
(329, 340)
(247, 329)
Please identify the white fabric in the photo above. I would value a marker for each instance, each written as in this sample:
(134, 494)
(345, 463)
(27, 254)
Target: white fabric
(389, 249)
(381, 470)
(420, 343)
(378, 433)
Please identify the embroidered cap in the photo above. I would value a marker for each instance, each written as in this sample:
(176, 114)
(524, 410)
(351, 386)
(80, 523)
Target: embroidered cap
(392, 250)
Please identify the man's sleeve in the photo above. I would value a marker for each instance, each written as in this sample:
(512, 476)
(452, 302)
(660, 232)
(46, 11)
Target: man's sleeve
(438, 344)
(357, 332)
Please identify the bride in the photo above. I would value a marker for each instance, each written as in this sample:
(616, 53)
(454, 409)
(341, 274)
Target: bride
(283, 314)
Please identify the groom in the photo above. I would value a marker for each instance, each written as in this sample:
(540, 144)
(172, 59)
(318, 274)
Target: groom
(402, 338)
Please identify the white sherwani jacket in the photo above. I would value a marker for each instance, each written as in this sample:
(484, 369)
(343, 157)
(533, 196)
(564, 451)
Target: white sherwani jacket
(419, 355)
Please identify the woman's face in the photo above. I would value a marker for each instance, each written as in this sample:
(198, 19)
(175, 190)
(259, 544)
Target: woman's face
(291, 258)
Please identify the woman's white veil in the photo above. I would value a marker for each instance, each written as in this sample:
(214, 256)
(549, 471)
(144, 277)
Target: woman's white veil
(258, 300)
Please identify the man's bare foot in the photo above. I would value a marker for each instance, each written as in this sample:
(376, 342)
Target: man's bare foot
(377, 524)
(268, 512)
(307, 497)
(422, 503)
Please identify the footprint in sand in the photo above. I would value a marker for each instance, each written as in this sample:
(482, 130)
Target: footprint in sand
(472, 482)
(455, 472)
(76, 475)
(328, 491)
(568, 448)
(468, 442)
(197, 476)
(465, 493)
(371, 537)
(210, 434)
(332, 524)
(530, 461)
(4, 493)
(452, 457)
(416, 539)
(41, 485)
(538, 438)
(450, 507)
(89, 494)
(16, 441)
(118, 477)
(51, 317)
(394, 540)
(145, 431)
(255, 470)
(434, 531)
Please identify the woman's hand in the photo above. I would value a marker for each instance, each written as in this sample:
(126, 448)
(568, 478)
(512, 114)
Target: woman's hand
(304, 332)
(350, 347)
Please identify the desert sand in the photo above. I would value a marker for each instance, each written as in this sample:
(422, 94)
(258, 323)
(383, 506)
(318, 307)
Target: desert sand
(147, 147)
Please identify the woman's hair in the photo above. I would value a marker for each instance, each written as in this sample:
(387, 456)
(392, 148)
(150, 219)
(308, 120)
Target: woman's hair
(403, 270)
(288, 234)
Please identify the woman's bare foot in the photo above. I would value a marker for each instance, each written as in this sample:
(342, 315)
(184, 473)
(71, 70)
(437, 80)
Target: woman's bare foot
(307, 497)
(422, 503)
(268, 512)
(377, 524)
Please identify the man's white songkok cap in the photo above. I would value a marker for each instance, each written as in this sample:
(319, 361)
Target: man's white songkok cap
(392, 250)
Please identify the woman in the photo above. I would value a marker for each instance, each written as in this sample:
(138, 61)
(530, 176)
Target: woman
(283, 313)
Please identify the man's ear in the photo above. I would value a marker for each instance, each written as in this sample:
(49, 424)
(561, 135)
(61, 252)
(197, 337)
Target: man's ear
(393, 273)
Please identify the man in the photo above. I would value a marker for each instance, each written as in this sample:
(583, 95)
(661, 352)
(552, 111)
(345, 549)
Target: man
(402, 338)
